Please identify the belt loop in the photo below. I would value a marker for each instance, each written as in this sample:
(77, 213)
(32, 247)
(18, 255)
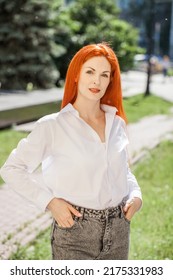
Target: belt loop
(121, 212)
(107, 213)
(82, 211)
(76, 218)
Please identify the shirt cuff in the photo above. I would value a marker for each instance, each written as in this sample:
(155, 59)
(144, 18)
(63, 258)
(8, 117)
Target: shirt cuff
(134, 194)
(43, 200)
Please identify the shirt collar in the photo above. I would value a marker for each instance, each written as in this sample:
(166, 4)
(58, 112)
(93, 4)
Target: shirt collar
(106, 108)
(109, 109)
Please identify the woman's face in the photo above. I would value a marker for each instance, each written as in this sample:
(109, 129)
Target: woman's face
(94, 78)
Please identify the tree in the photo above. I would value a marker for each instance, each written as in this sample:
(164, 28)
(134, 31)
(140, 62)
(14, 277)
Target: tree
(91, 22)
(26, 45)
(150, 33)
(92, 12)
(65, 37)
(122, 37)
(145, 10)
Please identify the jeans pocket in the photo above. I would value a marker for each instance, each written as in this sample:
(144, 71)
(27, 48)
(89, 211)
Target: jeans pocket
(65, 228)
(128, 221)
(124, 217)
(52, 230)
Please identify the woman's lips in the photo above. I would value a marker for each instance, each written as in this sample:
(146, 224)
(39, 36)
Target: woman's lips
(94, 90)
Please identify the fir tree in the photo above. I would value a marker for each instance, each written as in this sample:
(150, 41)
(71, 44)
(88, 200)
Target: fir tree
(26, 45)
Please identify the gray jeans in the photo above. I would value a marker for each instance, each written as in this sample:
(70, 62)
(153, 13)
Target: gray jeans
(97, 235)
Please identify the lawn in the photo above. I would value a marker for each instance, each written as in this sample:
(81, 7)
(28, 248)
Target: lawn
(151, 236)
(151, 228)
(138, 106)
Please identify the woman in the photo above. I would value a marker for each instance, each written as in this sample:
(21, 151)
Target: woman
(88, 186)
(165, 66)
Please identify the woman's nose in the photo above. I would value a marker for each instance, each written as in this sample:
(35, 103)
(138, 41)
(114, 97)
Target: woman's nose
(96, 80)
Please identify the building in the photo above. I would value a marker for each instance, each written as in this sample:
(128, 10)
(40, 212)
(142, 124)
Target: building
(163, 23)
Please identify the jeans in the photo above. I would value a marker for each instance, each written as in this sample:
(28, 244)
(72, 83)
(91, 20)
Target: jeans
(97, 235)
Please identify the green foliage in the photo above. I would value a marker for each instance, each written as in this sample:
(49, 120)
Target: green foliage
(92, 12)
(99, 22)
(37, 37)
(65, 37)
(26, 49)
(84, 22)
(122, 37)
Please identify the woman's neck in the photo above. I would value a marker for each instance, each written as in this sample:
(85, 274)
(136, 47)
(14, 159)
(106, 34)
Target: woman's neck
(88, 109)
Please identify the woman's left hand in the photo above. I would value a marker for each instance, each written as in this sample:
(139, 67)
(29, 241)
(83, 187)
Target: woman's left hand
(131, 207)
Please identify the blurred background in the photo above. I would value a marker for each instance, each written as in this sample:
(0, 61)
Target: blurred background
(38, 38)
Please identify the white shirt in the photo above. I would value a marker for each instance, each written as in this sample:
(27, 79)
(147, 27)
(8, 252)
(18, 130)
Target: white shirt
(76, 165)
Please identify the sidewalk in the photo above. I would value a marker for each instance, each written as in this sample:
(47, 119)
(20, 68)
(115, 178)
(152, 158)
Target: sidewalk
(134, 82)
(20, 222)
(23, 99)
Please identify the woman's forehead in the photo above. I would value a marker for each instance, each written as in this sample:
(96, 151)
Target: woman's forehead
(98, 62)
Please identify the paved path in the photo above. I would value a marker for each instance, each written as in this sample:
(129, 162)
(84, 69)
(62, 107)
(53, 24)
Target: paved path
(134, 82)
(19, 221)
(23, 99)
(148, 133)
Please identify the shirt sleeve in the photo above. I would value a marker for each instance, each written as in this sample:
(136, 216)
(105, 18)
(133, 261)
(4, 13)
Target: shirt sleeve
(18, 170)
(133, 186)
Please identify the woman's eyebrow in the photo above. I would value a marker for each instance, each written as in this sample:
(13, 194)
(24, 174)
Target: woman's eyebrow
(90, 68)
(106, 71)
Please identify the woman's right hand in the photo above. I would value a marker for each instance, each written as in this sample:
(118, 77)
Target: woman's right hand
(62, 212)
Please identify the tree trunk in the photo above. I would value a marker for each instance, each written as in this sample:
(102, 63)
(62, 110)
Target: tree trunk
(149, 74)
(150, 27)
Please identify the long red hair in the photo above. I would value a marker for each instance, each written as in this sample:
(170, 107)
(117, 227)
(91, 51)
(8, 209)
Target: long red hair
(113, 94)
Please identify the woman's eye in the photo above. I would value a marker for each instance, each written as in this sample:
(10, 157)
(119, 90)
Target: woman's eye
(89, 72)
(105, 75)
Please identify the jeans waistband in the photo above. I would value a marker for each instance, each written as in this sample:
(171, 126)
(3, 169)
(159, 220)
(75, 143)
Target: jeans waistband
(100, 214)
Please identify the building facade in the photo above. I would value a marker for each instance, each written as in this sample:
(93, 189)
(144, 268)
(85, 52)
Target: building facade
(163, 23)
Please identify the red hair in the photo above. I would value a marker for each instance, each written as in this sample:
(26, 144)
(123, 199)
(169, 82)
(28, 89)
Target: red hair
(113, 94)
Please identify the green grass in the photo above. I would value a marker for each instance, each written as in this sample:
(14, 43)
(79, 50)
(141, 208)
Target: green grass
(38, 250)
(151, 235)
(151, 228)
(138, 106)
(8, 141)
